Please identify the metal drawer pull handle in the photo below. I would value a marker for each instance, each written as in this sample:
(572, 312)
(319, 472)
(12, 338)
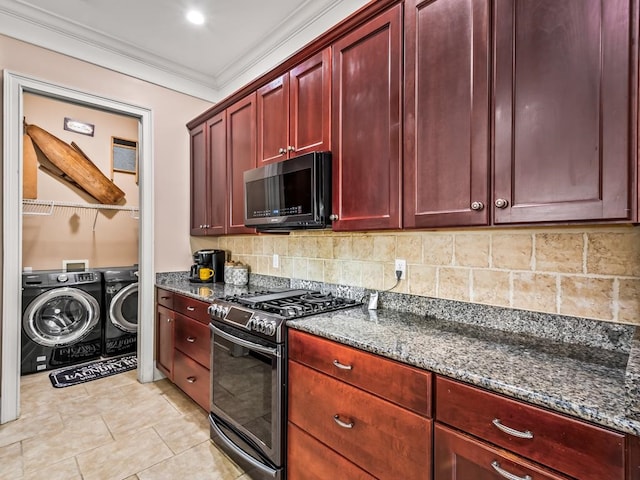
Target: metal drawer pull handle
(191, 309)
(336, 418)
(191, 379)
(342, 366)
(191, 339)
(511, 431)
(164, 298)
(505, 474)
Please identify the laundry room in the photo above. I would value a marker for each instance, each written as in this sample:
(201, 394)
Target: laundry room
(79, 251)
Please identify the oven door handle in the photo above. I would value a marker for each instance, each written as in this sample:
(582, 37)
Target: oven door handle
(244, 343)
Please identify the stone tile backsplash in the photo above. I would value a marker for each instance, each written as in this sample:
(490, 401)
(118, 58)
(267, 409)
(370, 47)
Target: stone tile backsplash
(591, 272)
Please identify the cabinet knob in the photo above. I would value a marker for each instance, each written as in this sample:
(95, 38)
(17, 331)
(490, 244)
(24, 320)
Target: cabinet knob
(333, 217)
(477, 206)
(191, 339)
(291, 148)
(282, 151)
(201, 226)
(168, 319)
(501, 203)
(191, 379)
(191, 309)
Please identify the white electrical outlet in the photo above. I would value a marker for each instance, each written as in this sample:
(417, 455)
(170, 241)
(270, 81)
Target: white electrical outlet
(401, 265)
(276, 261)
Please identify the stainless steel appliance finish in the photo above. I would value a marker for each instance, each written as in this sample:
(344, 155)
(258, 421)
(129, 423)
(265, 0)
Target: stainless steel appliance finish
(248, 373)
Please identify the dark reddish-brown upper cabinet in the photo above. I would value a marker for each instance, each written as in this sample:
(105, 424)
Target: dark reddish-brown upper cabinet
(241, 156)
(564, 83)
(366, 125)
(211, 205)
(294, 111)
(200, 216)
(217, 156)
(447, 78)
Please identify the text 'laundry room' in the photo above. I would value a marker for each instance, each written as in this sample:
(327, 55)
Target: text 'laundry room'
(79, 253)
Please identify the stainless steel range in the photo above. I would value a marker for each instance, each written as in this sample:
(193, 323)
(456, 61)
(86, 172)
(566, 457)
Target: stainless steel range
(248, 373)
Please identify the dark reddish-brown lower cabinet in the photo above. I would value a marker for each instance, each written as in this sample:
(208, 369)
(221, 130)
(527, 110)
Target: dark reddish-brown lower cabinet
(192, 378)
(183, 346)
(165, 320)
(308, 459)
(562, 443)
(461, 457)
(387, 441)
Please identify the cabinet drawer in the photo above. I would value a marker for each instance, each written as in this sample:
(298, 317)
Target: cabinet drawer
(565, 444)
(192, 308)
(192, 378)
(460, 457)
(393, 381)
(387, 441)
(308, 459)
(193, 339)
(164, 298)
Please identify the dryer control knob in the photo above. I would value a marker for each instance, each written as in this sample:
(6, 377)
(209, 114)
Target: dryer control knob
(62, 278)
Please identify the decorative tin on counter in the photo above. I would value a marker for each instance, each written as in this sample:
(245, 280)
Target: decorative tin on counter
(236, 274)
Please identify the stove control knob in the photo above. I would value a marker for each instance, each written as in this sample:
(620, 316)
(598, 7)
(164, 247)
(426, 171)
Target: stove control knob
(213, 309)
(223, 311)
(260, 326)
(251, 323)
(270, 329)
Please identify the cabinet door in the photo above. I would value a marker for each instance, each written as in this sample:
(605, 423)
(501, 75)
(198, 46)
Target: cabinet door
(199, 181)
(164, 341)
(310, 105)
(562, 110)
(447, 69)
(366, 103)
(459, 457)
(241, 156)
(217, 158)
(273, 120)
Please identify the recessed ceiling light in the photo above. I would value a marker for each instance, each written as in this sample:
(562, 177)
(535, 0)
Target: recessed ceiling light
(195, 17)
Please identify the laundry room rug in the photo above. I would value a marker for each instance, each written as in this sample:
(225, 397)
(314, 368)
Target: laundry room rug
(76, 374)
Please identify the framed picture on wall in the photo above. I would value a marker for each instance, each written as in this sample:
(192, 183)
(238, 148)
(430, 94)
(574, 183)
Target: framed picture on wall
(124, 156)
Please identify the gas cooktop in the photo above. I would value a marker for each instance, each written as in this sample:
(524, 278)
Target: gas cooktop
(264, 312)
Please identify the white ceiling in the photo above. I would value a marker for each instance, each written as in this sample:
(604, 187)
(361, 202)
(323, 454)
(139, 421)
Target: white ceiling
(152, 40)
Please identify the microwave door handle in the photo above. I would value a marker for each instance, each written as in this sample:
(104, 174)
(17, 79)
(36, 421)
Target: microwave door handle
(244, 343)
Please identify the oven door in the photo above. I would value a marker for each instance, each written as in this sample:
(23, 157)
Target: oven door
(248, 398)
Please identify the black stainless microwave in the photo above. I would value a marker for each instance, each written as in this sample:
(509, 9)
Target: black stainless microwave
(289, 195)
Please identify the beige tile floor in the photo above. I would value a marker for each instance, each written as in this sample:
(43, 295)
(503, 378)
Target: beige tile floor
(110, 429)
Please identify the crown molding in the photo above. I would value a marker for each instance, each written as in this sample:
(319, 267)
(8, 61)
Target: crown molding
(25, 26)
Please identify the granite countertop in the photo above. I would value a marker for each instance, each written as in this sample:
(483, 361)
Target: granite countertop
(597, 384)
(585, 383)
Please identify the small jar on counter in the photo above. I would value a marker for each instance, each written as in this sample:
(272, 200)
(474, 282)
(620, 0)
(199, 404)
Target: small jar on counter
(235, 273)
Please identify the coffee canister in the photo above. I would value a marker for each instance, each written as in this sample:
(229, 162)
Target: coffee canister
(236, 274)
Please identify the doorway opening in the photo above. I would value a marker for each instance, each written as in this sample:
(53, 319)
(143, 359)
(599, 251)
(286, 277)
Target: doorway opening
(15, 86)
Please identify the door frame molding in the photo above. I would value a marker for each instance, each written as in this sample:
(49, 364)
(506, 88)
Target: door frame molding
(15, 85)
